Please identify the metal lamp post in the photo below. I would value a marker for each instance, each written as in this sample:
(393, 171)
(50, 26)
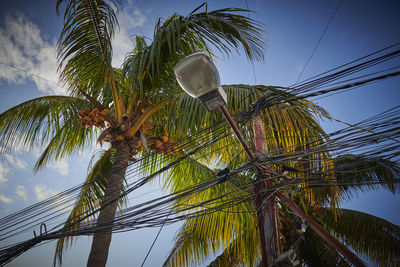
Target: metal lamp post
(199, 77)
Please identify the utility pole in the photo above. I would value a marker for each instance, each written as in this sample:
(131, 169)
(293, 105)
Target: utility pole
(265, 202)
(265, 185)
(265, 199)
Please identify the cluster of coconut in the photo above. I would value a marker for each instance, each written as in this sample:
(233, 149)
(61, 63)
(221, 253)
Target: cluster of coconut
(160, 144)
(163, 145)
(95, 117)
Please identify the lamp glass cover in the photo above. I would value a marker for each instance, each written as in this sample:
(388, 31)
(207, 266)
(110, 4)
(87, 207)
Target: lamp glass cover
(197, 75)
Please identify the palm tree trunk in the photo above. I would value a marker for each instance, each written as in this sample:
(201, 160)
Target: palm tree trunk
(101, 240)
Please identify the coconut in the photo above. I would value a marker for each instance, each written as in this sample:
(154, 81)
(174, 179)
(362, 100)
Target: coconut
(158, 143)
(120, 138)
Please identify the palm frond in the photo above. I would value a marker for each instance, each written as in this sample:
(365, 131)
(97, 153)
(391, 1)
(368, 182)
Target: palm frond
(84, 48)
(179, 36)
(225, 28)
(89, 199)
(205, 236)
(70, 138)
(188, 250)
(356, 173)
(227, 258)
(374, 237)
(287, 125)
(314, 251)
(39, 120)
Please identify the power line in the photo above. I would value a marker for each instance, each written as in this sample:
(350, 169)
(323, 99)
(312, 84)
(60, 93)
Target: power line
(252, 62)
(154, 213)
(32, 74)
(320, 39)
(155, 239)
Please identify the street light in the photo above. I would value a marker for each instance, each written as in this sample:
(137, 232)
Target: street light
(199, 77)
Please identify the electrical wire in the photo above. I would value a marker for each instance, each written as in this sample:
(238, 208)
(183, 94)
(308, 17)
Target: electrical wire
(320, 39)
(374, 137)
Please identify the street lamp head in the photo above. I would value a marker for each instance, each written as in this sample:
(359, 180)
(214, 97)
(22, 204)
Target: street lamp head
(199, 77)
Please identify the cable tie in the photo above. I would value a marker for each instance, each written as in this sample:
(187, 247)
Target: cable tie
(43, 230)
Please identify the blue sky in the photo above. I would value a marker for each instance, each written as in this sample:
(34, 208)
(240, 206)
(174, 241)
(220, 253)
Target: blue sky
(28, 33)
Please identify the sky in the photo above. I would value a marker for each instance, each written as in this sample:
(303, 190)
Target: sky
(292, 28)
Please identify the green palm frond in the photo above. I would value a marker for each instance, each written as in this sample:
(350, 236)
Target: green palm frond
(227, 258)
(89, 199)
(231, 228)
(179, 36)
(193, 248)
(314, 251)
(84, 48)
(205, 236)
(224, 28)
(356, 173)
(71, 137)
(288, 125)
(188, 250)
(39, 120)
(191, 168)
(374, 237)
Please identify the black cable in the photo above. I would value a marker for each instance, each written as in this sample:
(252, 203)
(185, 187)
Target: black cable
(320, 39)
(155, 239)
(380, 142)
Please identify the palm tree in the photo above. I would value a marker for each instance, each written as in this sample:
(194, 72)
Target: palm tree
(122, 107)
(125, 107)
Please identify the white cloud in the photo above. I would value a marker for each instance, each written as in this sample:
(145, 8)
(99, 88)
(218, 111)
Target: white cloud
(4, 170)
(16, 162)
(61, 166)
(21, 192)
(129, 18)
(42, 192)
(19, 147)
(5, 200)
(23, 47)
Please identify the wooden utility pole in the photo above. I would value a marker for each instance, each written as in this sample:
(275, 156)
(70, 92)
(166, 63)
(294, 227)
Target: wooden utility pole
(266, 192)
(265, 199)
(265, 202)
